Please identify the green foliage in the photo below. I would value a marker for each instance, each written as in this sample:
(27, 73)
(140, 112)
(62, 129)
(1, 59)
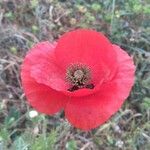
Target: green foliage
(146, 103)
(4, 134)
(13, 115)
(34, 3)
(20, 144)
(146, 9)
(10, 15)
(4, 138)
(29, 141)
(13, 50)
(146, 83)
(96, 7)
(89, 17)
(44, 143)
(35, 29)
(71, 145)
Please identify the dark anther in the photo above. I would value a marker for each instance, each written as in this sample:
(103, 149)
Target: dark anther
(74, 88)
(90, 86)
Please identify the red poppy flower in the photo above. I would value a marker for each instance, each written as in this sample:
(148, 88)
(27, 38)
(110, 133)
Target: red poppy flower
(83, 73)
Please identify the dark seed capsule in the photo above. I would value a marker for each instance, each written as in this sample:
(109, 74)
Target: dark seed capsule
(73, 88)
(90, 86)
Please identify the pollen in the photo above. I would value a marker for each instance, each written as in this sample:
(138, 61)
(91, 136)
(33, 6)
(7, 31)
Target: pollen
(78, 75)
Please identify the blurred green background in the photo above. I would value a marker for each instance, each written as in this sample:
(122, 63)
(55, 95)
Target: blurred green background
(26, 22)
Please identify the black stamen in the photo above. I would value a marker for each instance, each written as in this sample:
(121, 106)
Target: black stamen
(74, 88)
(90, 86)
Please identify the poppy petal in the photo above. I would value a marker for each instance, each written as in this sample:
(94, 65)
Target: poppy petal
(91, 111)
(43, 66)
(40, 96)
(90, 48)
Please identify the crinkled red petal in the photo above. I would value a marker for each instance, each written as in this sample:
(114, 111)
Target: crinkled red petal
(40, 96)
(91, 111)
(90, 48)
(43, 66)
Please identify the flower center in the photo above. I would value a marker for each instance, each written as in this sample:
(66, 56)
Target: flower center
(78, 76)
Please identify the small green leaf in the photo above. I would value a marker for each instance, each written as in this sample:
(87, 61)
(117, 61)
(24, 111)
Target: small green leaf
(9, 15)
(146, 83)
(13, 115)
(35, 29)
(34, 3)
(96, 7)
(44, 143)
(19, 144)
(13, 50)
(146, 103)
(71, 145)
(4, 134)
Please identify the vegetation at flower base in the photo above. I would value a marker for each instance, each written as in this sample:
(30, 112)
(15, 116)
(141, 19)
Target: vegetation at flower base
(24, 23)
